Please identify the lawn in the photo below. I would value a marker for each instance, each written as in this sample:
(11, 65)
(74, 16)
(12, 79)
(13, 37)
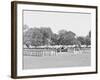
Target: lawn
(54, 60)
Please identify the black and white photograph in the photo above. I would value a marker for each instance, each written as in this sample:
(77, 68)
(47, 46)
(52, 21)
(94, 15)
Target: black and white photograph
(56, 39)
(53, 39)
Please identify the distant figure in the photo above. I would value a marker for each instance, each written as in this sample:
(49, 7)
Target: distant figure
(77, 48)
(27, 45)
(62, 47)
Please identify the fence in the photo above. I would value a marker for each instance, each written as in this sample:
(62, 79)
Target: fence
(52, 51)
(39, 52)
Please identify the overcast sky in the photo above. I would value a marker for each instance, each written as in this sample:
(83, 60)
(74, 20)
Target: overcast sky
(78, 23)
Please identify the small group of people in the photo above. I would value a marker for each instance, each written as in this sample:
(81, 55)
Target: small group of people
(67, 49)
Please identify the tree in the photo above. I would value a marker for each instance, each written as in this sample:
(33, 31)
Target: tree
(55, 39)
(37, 37)
(47, 34)
(89, 34)
(27, 39)
(81, 39)
(33, 37)
(61, 32)
(66, 37)
(88, 39)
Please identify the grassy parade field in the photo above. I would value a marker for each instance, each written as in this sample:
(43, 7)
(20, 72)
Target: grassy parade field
(43, 58)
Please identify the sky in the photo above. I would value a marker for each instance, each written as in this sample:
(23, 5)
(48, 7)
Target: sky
(79, 23)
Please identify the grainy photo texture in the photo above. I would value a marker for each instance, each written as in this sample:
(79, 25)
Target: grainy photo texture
(55, 39)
